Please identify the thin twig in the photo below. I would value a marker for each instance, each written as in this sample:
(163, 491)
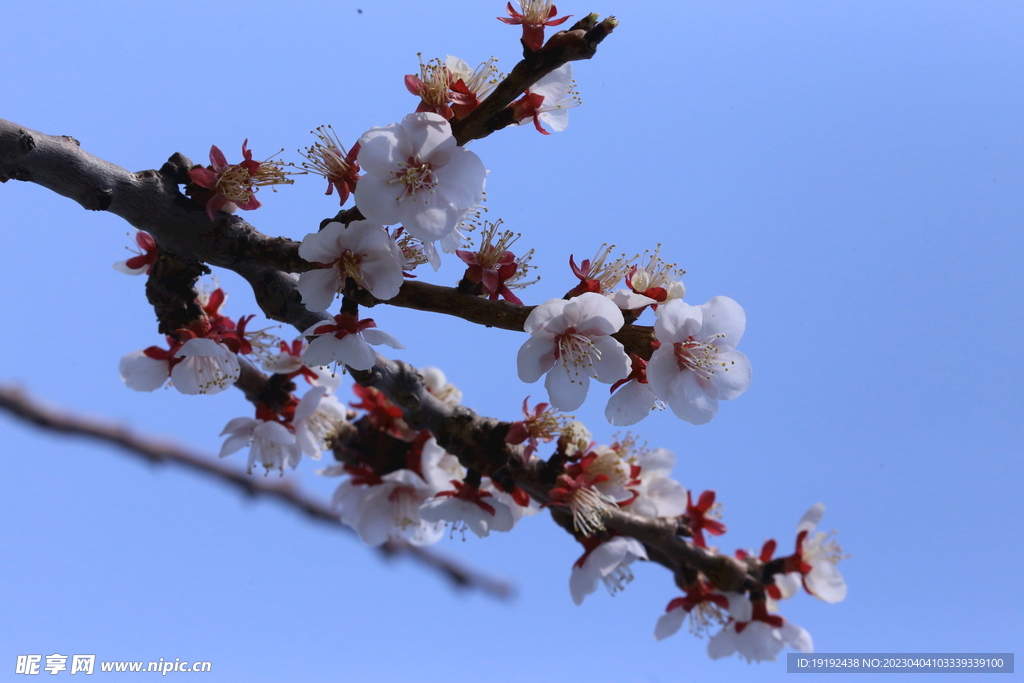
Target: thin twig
(17, 403)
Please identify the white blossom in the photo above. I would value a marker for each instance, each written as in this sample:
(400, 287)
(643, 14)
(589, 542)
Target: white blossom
(270, 443)
(362, 251)
(571, 342)
(697, 364)
(609, 563)
(346, 341)
(208, 367)
(418, 176)
(820, 552)
(758, 641)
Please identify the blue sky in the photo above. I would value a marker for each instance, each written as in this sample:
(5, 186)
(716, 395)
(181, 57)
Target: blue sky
(850, 172)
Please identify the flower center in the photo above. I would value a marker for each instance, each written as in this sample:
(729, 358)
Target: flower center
(588, 508)
(536, 11)
(349, 265)
(576, 349)
(700, 357)
(235, 184)
(404, 506)
(436, 81)
(416, 176)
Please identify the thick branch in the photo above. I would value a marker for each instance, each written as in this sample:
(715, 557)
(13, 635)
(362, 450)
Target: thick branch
(16, 403)
(151, 201)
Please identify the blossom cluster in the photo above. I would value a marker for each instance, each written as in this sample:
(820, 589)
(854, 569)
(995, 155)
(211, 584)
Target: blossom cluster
(693, 366)
(418, 190)
(418, 495)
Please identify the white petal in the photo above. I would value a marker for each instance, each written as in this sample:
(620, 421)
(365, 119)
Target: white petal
(324, 350)
(732, 376)
(463, 178)
(319, 287)
(547, 317)
(554, 86)
(354, 352)
(723, 643)
(566, 390)
(274, 432)
(233, 444)
(378, 200)
(628, 300)
(677, 321)
(724, 316)
(427, 218)
(582, 582)
(663, 372)
(202, 347)
(613, 363)
(427, 133)
(668, 495)
(557, 119)
(595, 315)
(536, 356)
(788, 584)
(690, 402)
(657, 462)
(382, 275)
(322, 247)
(241, 426)
(825, 582)
(122, 267)
(142, 373)
(811, 518)
(199, 373)
(798, 638)
(378, 337)
(740, 607)
(309, 403)
(631, 403)
(381, 150)
(669, 623)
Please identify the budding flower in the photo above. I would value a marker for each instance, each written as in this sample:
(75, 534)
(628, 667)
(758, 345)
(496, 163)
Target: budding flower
(650, 283)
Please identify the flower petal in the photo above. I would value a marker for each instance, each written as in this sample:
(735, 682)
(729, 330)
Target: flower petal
(610, 363)
(722, 315)
(536, 356)
(566, 390)
(381, 150)
(677, 321)
(690, 402)
(378, 200)
(319, 288)
(732, 376)
(669, 623)
(323, 246)
(142, 373)
(630, 404)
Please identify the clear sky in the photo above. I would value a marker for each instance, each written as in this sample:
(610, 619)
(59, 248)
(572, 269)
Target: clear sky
(850, 172)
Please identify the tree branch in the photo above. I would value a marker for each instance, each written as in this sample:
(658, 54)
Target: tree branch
(21, 406)
(151, 201)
